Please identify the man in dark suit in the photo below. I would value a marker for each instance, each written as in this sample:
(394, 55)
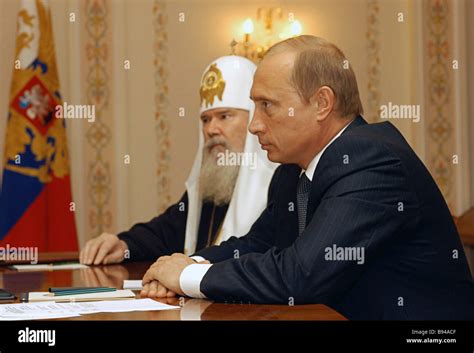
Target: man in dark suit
(354, 219)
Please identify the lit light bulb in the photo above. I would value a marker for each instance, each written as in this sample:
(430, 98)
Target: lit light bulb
(296, 28)
(248, 26)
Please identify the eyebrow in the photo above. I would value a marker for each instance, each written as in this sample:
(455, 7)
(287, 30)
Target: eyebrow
(227, 111)
(261, 98)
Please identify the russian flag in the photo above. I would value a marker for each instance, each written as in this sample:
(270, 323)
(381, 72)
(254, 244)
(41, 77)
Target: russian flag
(36, 207)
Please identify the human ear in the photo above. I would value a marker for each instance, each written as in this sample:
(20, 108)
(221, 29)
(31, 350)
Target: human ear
(323, 101)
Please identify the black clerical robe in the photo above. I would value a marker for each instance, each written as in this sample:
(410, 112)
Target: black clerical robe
(165, 234)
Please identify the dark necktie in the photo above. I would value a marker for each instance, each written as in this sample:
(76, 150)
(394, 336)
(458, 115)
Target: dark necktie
(302, 194)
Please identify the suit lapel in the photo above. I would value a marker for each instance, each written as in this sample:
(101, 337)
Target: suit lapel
(288, 220)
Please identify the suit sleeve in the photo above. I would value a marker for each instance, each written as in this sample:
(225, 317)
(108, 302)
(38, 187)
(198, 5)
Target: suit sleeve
(364, 203)
(259, 239)
(163, 235)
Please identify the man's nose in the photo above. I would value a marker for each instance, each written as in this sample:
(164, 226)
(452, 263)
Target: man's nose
(256, 125)
(214, 127)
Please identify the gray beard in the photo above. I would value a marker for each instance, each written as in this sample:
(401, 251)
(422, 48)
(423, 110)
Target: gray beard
(216, 182)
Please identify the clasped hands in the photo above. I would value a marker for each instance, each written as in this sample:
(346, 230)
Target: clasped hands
(162, 278)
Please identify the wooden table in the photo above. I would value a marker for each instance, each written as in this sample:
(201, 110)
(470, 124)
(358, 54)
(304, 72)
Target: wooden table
(192, 309)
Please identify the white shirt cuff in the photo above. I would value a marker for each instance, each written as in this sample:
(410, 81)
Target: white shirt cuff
(190, 280)
(198, 258)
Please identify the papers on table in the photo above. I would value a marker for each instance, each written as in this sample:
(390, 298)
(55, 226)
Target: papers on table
(133, 284)
(49, 267)
(47, 296)
(49, 310)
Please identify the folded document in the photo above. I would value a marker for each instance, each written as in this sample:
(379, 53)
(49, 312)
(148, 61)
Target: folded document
(48, 310)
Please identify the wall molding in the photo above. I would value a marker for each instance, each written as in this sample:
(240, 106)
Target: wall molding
(373, 61)
(162, 126)
(99, 137)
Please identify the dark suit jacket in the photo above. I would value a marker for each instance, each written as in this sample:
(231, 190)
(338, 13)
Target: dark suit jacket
(370, 191)
(162, 235)
(166, 233)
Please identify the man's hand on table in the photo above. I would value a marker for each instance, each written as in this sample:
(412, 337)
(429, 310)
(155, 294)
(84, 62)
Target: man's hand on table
(154, 289)
(162, 278)
(105, 249)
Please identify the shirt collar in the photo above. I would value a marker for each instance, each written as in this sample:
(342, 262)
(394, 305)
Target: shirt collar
(314, 163)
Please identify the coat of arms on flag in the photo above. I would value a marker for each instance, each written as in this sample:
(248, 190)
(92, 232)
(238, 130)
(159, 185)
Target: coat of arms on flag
(35, 200)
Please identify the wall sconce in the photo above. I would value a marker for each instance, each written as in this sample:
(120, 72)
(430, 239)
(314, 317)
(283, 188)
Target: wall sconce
(270, 28)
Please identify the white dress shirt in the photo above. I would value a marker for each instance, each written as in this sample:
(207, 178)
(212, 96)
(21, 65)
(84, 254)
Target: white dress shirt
(192, 275)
